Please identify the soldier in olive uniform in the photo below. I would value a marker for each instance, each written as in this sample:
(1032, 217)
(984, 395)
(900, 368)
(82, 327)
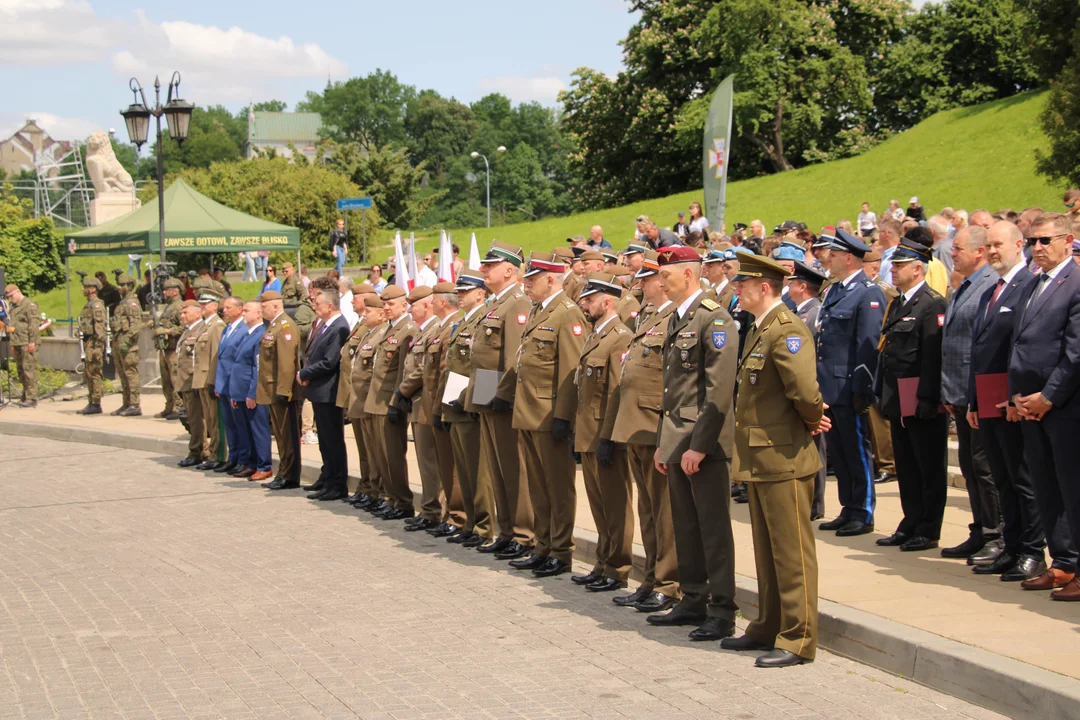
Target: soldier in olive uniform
(572, 282)
(191, 317)
(694, 447)
(637, 409)
(292, 290)
(464, 426)
(206, 352)
(495, 348)
(26, 321)
(544, 411)
(127, 323)
(278, 387)
(392, 431)
(629, 307)
(603, 461)
(93, 326)
(206, 280)
(345, 391)
(720, 288)
(168, 330)
(779, 409)
(445, 301)
(365, 431)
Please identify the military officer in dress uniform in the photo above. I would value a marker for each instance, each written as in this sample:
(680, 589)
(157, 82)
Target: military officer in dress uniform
(279, 361)
(464, 426)
(93, 327)
(637, 409)
(206, 351)
(572, 282)
(712, 269)
(445, 303)
(804, 286)
(629, 307)
(695, 446)
(126, 325)
(191, 317)
(777, 411)
(344, 392)
(495, 347)
(911, 348)
(787, 254)
(544, 410)
(292, 290)
(392, 431)
(847, 351)
(603, 461)
(26, 321)
(167, 332)
(365, 430)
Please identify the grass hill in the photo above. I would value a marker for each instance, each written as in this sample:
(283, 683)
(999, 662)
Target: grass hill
(975, 157)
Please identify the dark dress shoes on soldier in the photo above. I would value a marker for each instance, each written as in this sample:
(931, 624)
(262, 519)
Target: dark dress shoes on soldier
(988, 554)
(605, 585)
(591, 577)
(133, 411)
(445, 530)
(528, 563)
(834, 524)
(331, 495)
(378, 507)
(421, 524)
(713, 628)
(884, 477)
(1026, 568)
(243, 472)
(228, 467)
(473, 542)
(354, 498)
(315, 487)
(207, 465)
(744, 642)
(90, 409)
(173, 416)
(918, 544)
(854, 527)
(779, 658)
(513, 551)
(188, 462)
(282, 484)
(459, 538)
(969, 547)
(1001, 564)
(398, 514)
(551, 568)
(633, 598)
(363, 502)
(678, 616)
(655, 602)
(897, 538)
(497, 545)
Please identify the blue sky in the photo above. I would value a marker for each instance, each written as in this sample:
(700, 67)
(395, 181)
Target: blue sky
(67, 62)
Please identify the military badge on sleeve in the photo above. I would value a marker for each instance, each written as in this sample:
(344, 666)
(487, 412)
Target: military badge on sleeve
(719, 338)
(793, 344)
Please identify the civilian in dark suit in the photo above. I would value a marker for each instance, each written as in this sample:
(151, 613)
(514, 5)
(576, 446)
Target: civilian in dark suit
(1020, 555)
(319, 378)
(252, 420)
(911, 348)
(1044, 376)
(232, 309)
(969, 259)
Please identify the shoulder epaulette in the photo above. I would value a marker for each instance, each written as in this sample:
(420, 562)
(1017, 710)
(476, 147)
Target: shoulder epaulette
(783, 317)
(621, 329)
(709, 304)
(871, 283)
(567, 303)
(933, 293)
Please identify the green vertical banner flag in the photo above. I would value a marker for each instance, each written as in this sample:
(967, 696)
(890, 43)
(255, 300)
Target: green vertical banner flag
(716, 153)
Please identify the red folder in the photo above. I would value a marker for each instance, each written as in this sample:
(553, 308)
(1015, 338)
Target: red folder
(909, 390)
(991, 390)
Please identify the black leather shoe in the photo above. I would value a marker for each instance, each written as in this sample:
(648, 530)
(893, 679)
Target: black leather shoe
(173, 416)
(655, 602)
(364, 502)
(459, 538)
(919, 543)
(713, 629)
(1003, 563)
(330, 495)
(421, 524)
(188, 462)
(744, 642)
(1026, 568)
(315, 487)
(633, 598)
(990, 552)
(972, 545)
(445, 530)
(741, 496)
(473, 542)
(779, 658)
(90, 409)
(118, 410)
(398, 514)
(316, 495)
(226, 468)
(243, 472)
(274, 484)
(678, 616)
(884, 477)
(354, 498)
(835, 524)
(854, 527)
(496, 545)
(605, 585)
(282, 484)
(551, 568)
(379, 506)
(591, 577)
(528, 563)
(208, 465)
(513, 551)
(894, 540)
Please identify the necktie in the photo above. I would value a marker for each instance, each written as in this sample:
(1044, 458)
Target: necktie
(961, 290)
(994, 297)
(1039, 289)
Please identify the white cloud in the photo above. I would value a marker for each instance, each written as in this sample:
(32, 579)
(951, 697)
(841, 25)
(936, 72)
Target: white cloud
(59, 128)
(52, 32)
(542, 86)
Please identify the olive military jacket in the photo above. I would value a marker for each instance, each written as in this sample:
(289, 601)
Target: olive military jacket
(185, 356)
(292, 290)
(170, 325)
(597, 378)
(363, 366)
(573, 285)
(93, 321)
(279, 361)
(412, 382)
(549, 353)
(639, 402)
(628, 310)
(26, 320)
(459, 360)
(779, 404)
(206, 350)
(496, 343)
(699, 382)
(127, 323)
(348, 351)
(435, 366)
(389, 366)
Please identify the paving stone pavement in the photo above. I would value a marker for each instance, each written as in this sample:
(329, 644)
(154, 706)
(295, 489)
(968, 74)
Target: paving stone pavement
(132, 589)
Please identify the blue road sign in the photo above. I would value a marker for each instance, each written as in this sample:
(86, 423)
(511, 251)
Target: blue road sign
(363, 203)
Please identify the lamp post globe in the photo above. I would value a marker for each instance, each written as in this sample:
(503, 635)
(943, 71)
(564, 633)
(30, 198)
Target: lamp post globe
(178, 116)
(474, 154)
(137, 120)
(501, 148)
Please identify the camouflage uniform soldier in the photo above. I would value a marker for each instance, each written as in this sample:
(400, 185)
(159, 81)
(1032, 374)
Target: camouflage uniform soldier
(168, 331)
(292, 290)
(126, 324)
(93, 326)
(26, 320)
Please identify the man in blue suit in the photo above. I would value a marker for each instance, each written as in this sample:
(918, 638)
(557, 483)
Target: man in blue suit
(1044, 377)
(847, 357)
(232, 310)
(252, 420)
(1022, 549)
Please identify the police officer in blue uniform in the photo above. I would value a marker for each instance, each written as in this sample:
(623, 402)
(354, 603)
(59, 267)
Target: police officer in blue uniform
(849, 328)
(787, 254)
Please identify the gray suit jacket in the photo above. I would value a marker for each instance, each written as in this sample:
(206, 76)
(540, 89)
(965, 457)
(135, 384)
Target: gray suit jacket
(956, 343)
(808, 314)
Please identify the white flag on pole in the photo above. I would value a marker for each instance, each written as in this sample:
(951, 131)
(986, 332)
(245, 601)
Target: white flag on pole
(401, 269)
(446, 258)
(414, 272)
(474, 254)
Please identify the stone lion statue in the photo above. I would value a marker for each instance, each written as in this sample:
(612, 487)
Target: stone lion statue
(106, 172)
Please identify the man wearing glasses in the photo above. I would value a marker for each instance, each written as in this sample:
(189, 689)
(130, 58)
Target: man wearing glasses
(25, 318)
(1044, 377)
(1072, 202)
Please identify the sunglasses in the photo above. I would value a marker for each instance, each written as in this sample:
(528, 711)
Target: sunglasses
(1070, 205)
(1043, 240)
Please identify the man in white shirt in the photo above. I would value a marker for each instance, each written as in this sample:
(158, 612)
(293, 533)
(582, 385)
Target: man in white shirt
(426, 273)
(345, 290)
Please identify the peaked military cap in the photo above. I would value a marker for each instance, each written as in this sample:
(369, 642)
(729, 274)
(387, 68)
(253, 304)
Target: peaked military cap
(650, 264)
(807, 273)
(545, 262)
(469, 280)
(754, 267)
(504, 252)
(601, 283)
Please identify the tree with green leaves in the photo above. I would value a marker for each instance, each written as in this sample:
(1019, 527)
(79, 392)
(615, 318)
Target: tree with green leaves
(386, 175)
(367, 110)
(438, 129)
